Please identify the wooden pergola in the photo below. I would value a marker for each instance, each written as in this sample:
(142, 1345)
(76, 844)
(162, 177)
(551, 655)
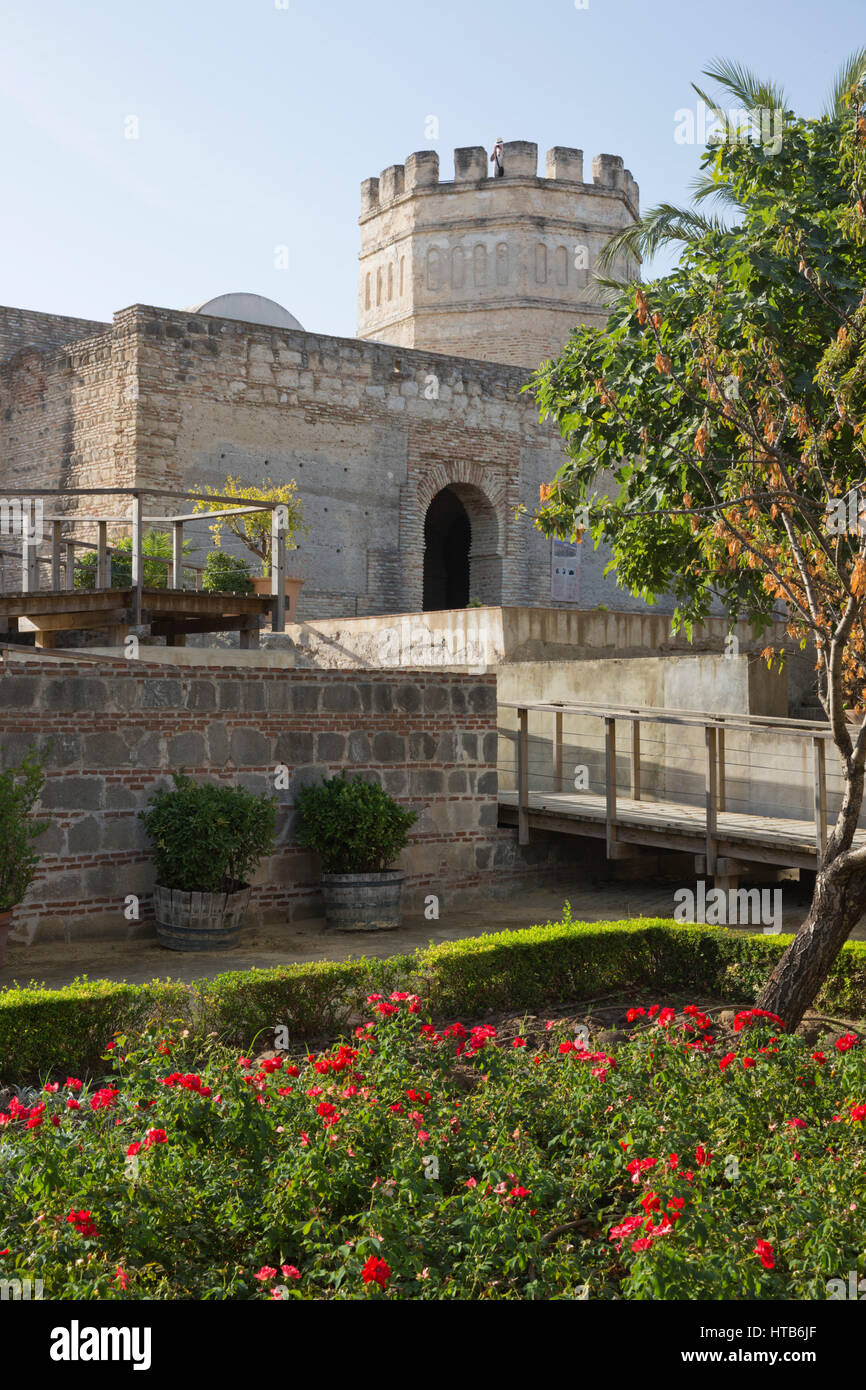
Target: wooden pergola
(173, 612)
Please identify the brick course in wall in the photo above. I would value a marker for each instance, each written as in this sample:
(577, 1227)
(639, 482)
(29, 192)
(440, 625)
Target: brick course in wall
(118, 729)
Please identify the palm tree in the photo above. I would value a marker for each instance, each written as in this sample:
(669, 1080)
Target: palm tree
(666, 224)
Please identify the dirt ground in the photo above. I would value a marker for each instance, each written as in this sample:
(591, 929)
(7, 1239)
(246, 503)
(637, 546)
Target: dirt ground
(54, 963)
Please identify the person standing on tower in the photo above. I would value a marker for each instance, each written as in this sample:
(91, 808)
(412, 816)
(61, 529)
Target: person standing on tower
(496, 159)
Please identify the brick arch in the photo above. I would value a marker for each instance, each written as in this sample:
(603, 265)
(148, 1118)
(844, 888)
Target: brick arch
(484, 498)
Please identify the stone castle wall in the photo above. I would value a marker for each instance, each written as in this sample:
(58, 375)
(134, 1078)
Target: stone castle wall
(119, 729)
(175, 400)
(499, 269)
(369, 433)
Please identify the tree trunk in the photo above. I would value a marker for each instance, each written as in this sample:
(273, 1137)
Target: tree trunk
(837, 906)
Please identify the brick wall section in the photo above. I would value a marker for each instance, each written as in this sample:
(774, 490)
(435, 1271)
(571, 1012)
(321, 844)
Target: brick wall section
(28, 328)
(120, 728)
(68, 419)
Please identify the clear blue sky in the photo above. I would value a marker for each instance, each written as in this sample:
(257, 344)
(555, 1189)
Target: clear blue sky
(257, 124)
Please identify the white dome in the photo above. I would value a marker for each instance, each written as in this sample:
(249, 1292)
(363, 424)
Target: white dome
(249, 308)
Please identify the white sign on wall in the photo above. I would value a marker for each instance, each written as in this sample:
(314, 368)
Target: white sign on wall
(563, 571)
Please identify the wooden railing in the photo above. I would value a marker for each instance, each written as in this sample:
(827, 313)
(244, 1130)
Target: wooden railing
(61, 558)
(715, 727)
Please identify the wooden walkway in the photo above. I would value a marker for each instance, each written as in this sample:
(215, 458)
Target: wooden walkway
(722, 841)
(169, 613)
(174, 612)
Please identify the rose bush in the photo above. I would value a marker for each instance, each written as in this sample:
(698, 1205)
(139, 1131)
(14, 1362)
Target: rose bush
(419, 1162)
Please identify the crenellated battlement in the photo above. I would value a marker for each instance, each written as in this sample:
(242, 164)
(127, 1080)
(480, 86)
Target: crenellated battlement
(472, 166)
(499, 268)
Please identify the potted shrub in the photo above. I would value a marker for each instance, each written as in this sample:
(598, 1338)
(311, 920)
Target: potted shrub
(357, 830)
(207, 843)
(253, 529)
(226, 574)
(20, 787)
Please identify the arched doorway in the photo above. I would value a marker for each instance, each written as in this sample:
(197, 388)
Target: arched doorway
(461, 549)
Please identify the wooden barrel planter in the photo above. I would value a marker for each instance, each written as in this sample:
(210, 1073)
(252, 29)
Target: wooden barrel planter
(364, 902)
(199, 921)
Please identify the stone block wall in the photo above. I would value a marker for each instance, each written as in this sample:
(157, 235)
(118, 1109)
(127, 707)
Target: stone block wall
(118, 729)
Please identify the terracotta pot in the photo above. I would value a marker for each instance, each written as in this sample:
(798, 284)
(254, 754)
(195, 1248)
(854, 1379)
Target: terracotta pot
(5, 929)
(293, 589)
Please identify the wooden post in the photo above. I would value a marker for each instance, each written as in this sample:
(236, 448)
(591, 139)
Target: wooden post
(278, 568)
(610, 782)
(720, 744)
(137, 559)
(177, 555)
(712, 797)
(523, 777)
(820, 798)
(635, 758)
(103, 580)
(29, 567)
(558, 752)
(70, 566)
(56, 535)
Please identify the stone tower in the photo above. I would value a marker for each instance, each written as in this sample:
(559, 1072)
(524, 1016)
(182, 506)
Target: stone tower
(494, 268)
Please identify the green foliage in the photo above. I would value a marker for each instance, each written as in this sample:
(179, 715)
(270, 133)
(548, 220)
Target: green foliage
(472, 1169)
(208, 838)
(254, 529)
(530, 969)
(43, 1029)
(20, 788)
(156, 576)
(728, 396)
(226, 574)
(353, 825)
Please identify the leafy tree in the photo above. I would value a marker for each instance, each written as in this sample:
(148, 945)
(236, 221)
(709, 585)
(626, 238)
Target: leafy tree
(254, 529)
(156, 546)
(729, 397)
(20, 788)
(226, 574)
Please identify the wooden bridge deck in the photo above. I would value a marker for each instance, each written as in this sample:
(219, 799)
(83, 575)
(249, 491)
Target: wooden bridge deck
(169, 613)
(722, 841)
(673, 826)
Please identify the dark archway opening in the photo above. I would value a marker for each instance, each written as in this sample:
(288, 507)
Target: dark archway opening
(447, 541)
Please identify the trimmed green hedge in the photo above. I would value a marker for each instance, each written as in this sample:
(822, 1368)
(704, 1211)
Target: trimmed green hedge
(46, 1031)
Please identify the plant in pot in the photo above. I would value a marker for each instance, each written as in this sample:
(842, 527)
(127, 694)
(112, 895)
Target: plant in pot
(207, 843)
(20, 787)
(357, 830)
(253, 529)
(226, 574)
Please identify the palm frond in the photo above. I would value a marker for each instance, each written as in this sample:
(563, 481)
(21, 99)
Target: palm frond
(745, 86)
(851, 73)
(656, 228)
(706, 187)
(610, 282)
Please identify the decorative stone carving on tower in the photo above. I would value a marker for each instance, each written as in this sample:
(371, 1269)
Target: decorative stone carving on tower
(497, 269)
